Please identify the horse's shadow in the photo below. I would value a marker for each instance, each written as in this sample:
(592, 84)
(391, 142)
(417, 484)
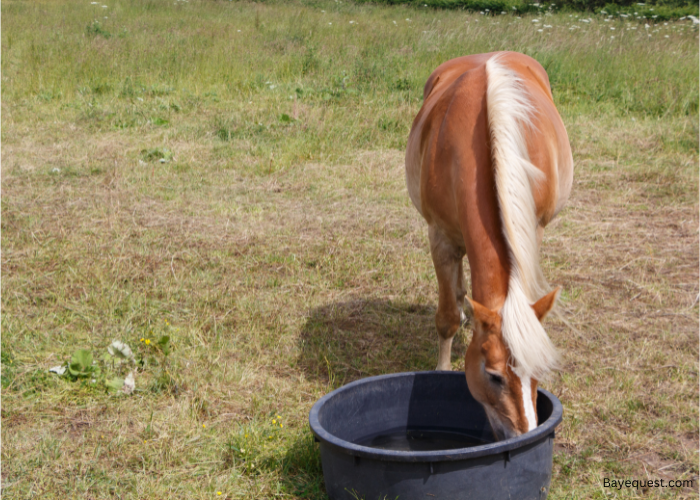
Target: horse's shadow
(345, 341)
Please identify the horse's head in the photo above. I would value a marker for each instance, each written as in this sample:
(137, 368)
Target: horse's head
(508, 398)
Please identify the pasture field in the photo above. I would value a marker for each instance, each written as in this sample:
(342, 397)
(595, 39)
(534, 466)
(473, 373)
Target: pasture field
(220, 185)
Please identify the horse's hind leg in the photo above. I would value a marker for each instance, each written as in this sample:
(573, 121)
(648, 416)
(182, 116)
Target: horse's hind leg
(447, 259)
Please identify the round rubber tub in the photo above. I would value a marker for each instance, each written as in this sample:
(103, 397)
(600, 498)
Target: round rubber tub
(349, 419)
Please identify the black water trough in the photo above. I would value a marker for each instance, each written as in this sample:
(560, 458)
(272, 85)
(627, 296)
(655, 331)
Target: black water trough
(421, 435)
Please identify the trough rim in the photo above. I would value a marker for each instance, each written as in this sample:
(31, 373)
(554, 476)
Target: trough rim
(543, 431)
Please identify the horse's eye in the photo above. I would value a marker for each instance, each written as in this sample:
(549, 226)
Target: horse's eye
(495, 378)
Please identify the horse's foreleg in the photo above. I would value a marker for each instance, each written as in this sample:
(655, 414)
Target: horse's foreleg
(447, 260)
(461, 293)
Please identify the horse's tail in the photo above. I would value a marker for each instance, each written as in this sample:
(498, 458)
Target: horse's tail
(509, 113)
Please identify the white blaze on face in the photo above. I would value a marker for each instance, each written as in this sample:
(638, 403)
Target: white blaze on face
(527, 403)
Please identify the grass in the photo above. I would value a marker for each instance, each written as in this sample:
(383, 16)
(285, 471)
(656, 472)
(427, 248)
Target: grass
(653, 10)
(242, 193)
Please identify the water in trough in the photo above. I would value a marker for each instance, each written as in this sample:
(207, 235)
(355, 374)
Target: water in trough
(403, 439)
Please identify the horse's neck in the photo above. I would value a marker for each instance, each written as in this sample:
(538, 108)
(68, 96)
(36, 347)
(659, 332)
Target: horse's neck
(489, 277)
(486, 246)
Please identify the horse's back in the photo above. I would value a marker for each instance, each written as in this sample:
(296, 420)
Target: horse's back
(450, 141)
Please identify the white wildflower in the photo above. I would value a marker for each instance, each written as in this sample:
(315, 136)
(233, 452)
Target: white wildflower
(58, 370)
(120, 349)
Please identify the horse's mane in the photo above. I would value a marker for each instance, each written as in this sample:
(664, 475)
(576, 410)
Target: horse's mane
(509, 112)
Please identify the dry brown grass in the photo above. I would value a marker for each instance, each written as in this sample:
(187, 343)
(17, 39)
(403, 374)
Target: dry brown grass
(287, 283)
(289, 261)
(626, 252)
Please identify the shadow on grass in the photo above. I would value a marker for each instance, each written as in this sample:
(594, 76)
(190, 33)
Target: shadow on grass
(345, 341)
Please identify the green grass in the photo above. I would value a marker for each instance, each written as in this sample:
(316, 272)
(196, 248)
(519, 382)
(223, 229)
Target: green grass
(242, 192)
(652, 10)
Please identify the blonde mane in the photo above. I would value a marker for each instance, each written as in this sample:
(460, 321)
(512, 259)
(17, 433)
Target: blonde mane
(509, 112)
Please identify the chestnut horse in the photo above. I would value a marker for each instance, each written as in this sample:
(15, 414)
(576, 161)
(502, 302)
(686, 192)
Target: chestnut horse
(488, 165)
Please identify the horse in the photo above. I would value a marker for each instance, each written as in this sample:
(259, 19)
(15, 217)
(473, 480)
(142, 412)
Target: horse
(488, 165)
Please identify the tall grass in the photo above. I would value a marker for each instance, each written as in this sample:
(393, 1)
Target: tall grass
(657, 11)
(237, 49)
(356, 70)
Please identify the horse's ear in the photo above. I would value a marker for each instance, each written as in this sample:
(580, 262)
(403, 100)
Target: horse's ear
(481, 313)
(546, 303)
